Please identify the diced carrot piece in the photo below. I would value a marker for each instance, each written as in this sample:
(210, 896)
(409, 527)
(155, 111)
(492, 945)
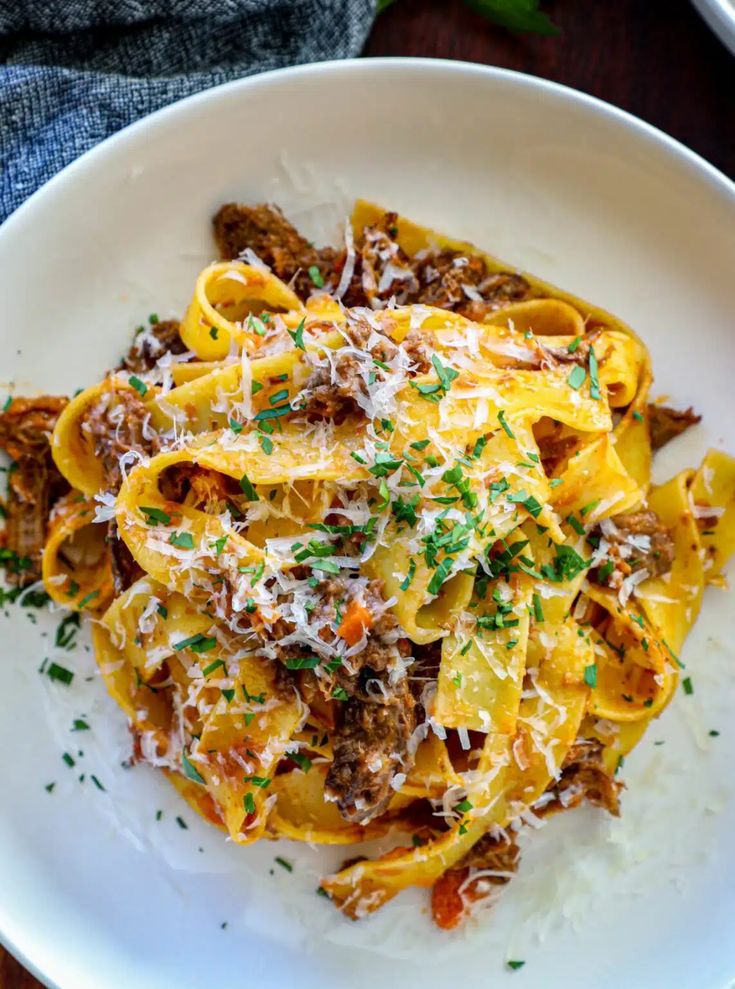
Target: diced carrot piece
(447, 905)
(355, 622)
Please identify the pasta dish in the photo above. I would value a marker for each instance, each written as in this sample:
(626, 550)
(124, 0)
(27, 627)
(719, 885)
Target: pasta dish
(369, 547)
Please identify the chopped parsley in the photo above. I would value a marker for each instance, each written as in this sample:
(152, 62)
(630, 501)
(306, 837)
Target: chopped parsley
(446, 375)
(60, 673)
(247, 488)
(140, 386)
(687, 685)
(184, 540)
(302, 761)
(406, 582)
(190, 770)
(302, 663)
(590, 675)
(504, 424)
(594, 376)
(197, 643)
(575, 524)
(576, 377)
(215, 664)
(297, 335)
(155, 515)
(284, 863)
(316, 276)
(87, 599)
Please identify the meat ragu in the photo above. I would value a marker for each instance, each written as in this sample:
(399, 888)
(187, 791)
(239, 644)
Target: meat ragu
(584, 777)
(382, 271)
(489, 864)
(151, 343)
(666, 424)
(34, 483)
(369, 579)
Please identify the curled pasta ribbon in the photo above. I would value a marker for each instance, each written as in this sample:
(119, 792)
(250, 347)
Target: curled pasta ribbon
(542, 317)
(184, 567)
(412, 238)
(634, 676)
(301, 812)
(225, 750)
(76, 557)
(225, 295)
(514, 771)
(631, 435)
(595, 484)
(149, 639)
(671, 602)
(72, 448)
(190, 405)
(712, 498)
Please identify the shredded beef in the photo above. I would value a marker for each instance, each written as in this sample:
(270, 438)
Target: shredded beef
(584, 777)
(414, 343)
(369, 748)
(666, 424)
(265, 231)
(448, 279)
(150, 345)
(34, 483)
(554, 449)
(328, 399)
(455, 891)
(335, 389)
(125, 570)
(451, 280)
(374, 712)
(116, 425)
(656, 555)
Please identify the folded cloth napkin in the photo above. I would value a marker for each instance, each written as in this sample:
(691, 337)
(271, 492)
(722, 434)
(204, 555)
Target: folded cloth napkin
(72, 72)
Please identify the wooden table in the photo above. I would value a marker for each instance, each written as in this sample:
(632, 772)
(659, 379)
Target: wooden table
(658, 60)
(655, 58)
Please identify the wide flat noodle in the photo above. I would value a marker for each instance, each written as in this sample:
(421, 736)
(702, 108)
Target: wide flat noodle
(461, 480)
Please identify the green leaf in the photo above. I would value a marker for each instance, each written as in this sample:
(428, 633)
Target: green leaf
(516, 15)
(190, 770)
(248, 489)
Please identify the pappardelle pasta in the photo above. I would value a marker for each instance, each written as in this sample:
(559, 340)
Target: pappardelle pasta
(370, 547)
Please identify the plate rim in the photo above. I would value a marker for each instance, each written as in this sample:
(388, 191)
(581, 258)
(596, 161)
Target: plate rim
(695, 162)
(695, 165)
(719, 15)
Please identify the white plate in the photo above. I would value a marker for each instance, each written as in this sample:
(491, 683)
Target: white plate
(720, 15)
(96, 894)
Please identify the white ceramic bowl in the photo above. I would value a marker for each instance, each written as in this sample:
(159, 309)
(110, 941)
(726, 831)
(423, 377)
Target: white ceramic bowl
(720, 15)
(94, 892)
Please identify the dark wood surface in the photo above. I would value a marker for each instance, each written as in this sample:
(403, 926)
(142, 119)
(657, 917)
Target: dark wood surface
(655, 58)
